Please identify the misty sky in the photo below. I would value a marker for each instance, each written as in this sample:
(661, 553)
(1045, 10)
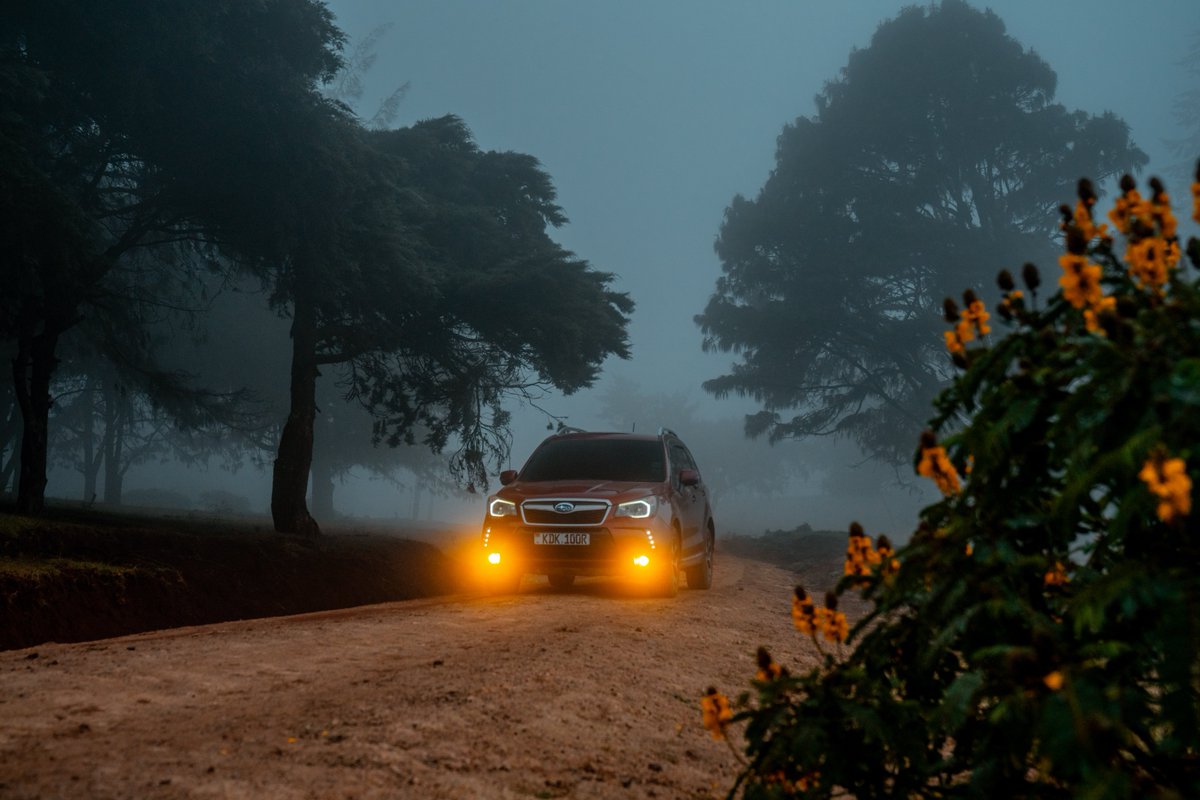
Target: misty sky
(650, 115)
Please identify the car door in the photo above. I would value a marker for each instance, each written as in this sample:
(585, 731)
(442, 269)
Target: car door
(690, 501)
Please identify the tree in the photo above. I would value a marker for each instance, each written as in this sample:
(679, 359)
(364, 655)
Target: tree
(96, 165)
(442, 312)
(938, 142)
(1186, 110)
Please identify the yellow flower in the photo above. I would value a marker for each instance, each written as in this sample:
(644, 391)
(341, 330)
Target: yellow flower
(1011, 303)
(1053, 681)
(1168, 480)
(803, 612)
(1164, 219)
(1128, 207)
(1091, 316)
(1083, 221)
(768, 670)
(1056, 575)
(802, 784)
(834, 626)
(830, 622)
(935, 464)
(953, 343)
(715, 712)
(1080, 280)
(1150, 261)
(976, 314)
(807, 781)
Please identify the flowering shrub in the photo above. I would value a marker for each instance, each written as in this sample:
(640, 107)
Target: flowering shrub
(1039, 636)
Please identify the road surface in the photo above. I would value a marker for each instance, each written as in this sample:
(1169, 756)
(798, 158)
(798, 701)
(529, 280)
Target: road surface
(586, 693)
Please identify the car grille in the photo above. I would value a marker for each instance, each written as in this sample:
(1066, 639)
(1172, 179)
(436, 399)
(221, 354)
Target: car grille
(582, 512)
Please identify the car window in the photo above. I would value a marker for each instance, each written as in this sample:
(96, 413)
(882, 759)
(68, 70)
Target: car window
(681, 458)
(596, 459)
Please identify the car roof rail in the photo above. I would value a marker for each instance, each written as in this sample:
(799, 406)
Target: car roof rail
(667, 432)
(565, 429)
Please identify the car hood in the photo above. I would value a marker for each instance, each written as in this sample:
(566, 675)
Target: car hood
(598, 490)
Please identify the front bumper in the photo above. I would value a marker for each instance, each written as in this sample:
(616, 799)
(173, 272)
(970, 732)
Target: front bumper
(611, 550)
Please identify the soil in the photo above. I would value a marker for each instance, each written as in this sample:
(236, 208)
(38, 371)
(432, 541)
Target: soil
(590, 692)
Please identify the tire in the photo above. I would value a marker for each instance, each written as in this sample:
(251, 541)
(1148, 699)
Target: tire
(561, 580)
(700, 576)
(669, 582)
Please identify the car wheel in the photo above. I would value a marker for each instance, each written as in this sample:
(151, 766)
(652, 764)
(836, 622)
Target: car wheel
(561, 580)
(700, 576)
(670, 579)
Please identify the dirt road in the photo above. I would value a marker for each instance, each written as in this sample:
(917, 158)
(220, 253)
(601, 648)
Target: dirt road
(586, 693)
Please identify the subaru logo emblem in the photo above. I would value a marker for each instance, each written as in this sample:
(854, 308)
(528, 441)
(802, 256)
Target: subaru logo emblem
(564, 508)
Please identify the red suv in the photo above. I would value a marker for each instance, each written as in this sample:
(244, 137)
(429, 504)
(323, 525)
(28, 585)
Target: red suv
(602, 504)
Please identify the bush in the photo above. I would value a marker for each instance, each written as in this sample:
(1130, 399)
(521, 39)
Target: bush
(1040, 634)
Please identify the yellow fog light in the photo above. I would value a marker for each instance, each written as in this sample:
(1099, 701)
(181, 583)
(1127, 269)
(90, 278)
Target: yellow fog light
(642, 561)
(493, 558)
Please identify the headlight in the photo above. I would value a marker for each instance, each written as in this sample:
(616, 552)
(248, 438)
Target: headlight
(636, 509)
(502, 508)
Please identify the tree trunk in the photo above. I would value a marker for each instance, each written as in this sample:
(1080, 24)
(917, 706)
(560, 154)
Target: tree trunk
(322, 485)
(32, 369)
(115, 418)
(8, 441)
(290, 479)
(91, 454)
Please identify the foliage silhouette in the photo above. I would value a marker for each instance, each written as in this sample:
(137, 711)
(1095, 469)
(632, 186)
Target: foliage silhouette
(936, 157)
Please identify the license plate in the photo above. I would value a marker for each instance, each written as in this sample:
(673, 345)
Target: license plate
(562, 538)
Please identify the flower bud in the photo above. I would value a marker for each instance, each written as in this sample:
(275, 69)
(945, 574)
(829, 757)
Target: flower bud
(1005, 280)
(1086, 191)
(1029, 274)
(1076, 242)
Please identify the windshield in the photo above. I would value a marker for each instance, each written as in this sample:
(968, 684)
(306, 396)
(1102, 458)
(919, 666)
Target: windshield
(638, 460)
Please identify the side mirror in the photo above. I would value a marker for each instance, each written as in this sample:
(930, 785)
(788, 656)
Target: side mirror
(507, 477)
(689, 477)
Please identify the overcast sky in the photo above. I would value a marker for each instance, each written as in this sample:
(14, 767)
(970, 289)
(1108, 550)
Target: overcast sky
(650, 115)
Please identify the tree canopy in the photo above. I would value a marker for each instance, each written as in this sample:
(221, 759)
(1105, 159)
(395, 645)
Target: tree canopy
(939, 141)
(413, 257)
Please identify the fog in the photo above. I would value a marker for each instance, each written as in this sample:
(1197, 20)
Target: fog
(650, 117)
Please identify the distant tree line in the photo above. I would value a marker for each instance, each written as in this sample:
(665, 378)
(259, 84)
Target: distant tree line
(153, 152)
